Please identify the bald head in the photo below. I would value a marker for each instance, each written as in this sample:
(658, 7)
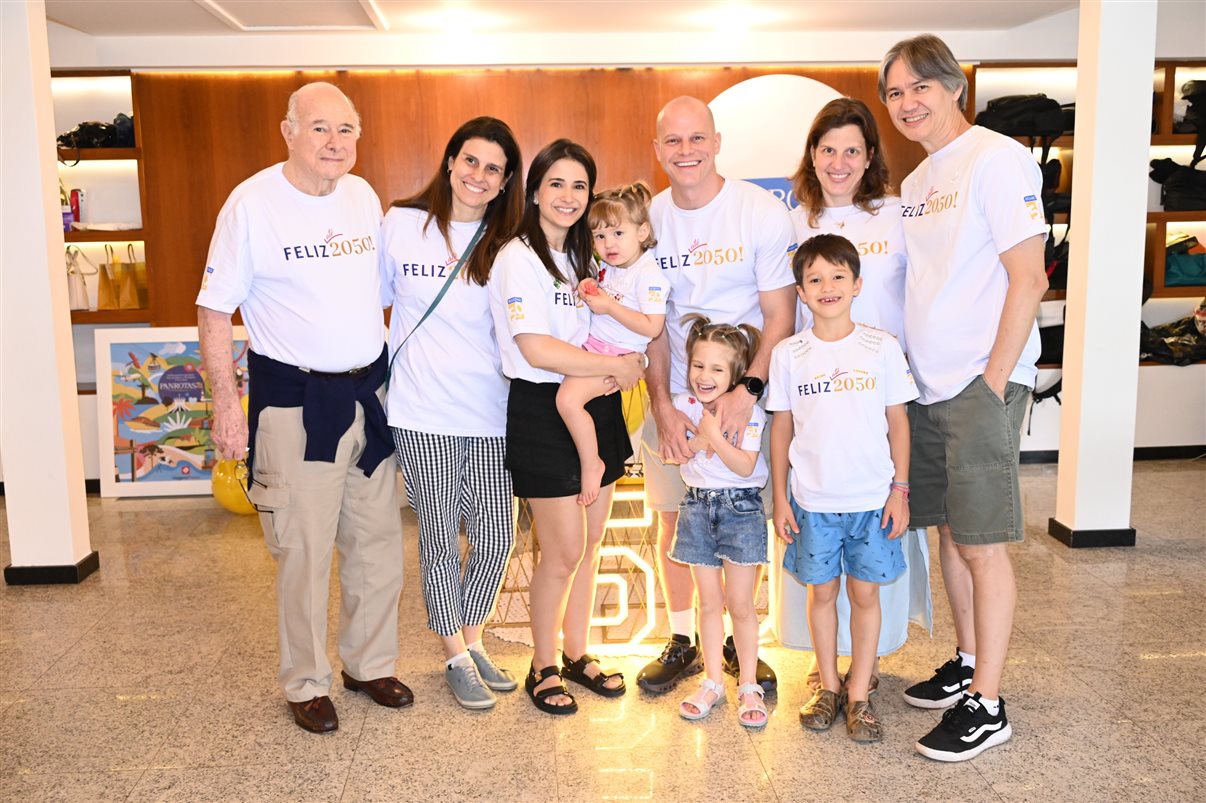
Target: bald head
(686, 147)
(315, 92)
(689, 107)
(320, 128)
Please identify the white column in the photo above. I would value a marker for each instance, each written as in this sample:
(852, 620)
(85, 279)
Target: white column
(1115, 59)
(39, 416)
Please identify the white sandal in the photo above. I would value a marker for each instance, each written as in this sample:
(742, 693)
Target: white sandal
(759, 707)
(700, 700)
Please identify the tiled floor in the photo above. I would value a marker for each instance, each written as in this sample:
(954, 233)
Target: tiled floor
(154, 680)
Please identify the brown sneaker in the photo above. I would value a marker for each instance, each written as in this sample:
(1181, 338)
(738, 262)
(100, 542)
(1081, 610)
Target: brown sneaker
(861, 722)
(820, 711)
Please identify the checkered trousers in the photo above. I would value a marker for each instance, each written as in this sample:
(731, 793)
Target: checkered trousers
(451, 479)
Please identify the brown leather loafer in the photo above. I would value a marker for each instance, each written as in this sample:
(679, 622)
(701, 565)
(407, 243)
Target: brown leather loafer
(317, 715)
(384, 691)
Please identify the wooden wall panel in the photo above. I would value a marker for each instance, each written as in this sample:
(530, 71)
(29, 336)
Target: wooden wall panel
(203, 133)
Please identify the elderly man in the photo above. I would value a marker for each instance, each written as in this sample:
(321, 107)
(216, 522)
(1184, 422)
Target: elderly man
(724, 247)
(296, 250)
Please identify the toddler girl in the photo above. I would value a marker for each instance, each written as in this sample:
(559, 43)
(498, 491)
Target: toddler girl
(628, 309)
(721, 526)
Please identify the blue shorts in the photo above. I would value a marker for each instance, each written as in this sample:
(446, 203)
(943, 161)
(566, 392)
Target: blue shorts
(831, 544)
(719, 524)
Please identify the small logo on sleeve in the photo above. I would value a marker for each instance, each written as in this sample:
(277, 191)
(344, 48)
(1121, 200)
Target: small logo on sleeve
(1032, 204)
(515, 308)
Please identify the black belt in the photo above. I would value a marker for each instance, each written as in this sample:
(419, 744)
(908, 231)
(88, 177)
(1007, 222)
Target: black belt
(328, 375)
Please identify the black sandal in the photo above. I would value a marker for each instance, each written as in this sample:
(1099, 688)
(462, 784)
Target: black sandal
(534, 679)
(576, 671)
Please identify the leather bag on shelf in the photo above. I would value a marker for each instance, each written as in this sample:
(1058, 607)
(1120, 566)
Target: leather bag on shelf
(1183, 189)
(1035, 116)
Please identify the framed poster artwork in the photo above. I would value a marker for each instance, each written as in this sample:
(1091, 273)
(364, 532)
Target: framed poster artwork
(154, 412)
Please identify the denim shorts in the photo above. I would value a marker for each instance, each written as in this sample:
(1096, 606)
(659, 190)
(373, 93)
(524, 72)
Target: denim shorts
(719, 524)
(832, 544)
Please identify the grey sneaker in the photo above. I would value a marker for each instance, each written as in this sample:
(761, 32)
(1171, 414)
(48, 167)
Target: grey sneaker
(467, 687)
(492, 674)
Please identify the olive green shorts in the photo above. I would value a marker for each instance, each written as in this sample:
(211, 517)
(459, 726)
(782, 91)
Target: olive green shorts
(963, 469)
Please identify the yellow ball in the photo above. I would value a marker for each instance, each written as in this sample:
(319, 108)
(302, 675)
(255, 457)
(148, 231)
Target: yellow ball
(230, 486)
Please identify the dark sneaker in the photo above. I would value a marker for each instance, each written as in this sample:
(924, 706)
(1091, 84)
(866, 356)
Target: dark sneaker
(762, 673)
(680, 659)
(942, 690)
(966, 731)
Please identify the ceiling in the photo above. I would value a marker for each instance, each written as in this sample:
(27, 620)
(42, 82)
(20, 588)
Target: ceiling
(225, 17)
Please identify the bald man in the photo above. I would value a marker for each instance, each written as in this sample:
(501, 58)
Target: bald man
(296, 250)
(725, 247)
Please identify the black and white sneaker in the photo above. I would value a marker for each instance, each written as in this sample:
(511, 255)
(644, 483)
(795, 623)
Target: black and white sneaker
(966, 731)
(944, 689)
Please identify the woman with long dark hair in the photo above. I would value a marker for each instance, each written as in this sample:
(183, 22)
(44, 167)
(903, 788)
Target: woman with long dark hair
(842, 187)
(446, 401)
(541, 325)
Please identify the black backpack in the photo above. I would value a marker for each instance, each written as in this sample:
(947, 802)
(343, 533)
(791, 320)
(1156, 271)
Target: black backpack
(1035, 116)
(1183, 188)
(1194, 93)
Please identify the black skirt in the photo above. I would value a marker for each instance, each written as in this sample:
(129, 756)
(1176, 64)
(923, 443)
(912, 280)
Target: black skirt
(540, 452)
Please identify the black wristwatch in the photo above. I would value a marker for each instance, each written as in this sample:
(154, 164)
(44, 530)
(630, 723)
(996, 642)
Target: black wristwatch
(754, 385)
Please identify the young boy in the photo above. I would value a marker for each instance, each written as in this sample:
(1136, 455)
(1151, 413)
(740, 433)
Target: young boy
(838, 394)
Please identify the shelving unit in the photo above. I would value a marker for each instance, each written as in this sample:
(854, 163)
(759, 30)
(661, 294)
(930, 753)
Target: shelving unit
(1058, 80)
(1165, 392)
(1174, 74)
(115, 181)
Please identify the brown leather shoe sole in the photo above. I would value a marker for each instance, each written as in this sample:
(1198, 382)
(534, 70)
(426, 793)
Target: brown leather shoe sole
(316, 715)
(389, 692)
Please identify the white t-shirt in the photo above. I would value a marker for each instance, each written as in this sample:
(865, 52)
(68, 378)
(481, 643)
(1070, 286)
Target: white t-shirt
(448, 377)
(525, 299)
(305, 270)
(640, 286)
(702, 471)
(838, 392)
(718, 258)
(879, 240)
(962, 207)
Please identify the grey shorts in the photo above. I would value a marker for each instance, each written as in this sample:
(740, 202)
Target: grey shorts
(964, 464)
(664, 488)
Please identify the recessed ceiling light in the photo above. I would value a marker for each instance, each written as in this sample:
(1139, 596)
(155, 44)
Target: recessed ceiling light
(456, 18)
(737, 17)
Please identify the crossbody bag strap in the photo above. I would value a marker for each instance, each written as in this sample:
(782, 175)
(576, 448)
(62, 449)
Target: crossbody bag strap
(477, 235)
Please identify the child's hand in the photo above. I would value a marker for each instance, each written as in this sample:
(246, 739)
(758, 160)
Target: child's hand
(697, 443)
(785, 520)
(600, 303)
(588, 287)
(709, 427)
(896, 511)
